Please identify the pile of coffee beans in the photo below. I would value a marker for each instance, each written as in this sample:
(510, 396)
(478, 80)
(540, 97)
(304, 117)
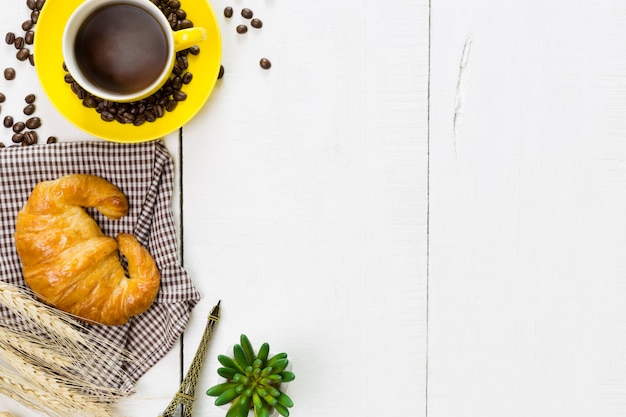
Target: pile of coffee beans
(242, 28)
(166, 99)
(24, 131)
(24, 41)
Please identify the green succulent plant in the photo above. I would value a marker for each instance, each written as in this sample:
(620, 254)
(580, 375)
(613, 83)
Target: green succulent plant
(253, 381)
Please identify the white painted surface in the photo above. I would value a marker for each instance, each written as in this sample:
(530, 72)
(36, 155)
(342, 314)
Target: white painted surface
(304, 203)
(526, 295)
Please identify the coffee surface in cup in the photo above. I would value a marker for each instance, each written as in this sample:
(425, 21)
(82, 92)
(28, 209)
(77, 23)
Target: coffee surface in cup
(121, 48)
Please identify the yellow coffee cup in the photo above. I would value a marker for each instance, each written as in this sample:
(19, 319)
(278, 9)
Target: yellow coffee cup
(123, 50)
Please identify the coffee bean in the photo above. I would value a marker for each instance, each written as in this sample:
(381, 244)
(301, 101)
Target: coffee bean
(177, 83)
(172, 19)
(9, 38)
(186, 24)
(242, 29)
(221, 73)
(179, 95)
(90, 102)
(139, 120)
(107, 116)
(265, 63)
(174, 4)
(31, 59)
(187, 77)
(2, 98)
(22, 54)
(181, 14)
(19, 42)
(8, 121)
(247, 13)
(17, 138)
(150, 116)
(51, 139)
(9, 73)
(2, 145)
(18, 127)
(29, 37)
(171, 105)
(33, 123)
(29, 109)
(40, 4)
(194, 50)
(34, 16)
(30, 138)
(27, 25)
(256, 23)
(31, 4)
(228, 12)
(30, 98)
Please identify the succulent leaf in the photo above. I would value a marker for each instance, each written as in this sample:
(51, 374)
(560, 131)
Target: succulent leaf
(244, 406)
(240, 356)
(247, 348)
(233, 410)
(228, 373)
(217, 390)
(288, 376)
(282, 410)
(264, 350)
(227, 396)
(277, 357)
(284, 399)
(229, 362)
(280, 365)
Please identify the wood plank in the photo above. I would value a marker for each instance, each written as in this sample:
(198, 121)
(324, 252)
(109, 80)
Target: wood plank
(305, 202)
(527, 201)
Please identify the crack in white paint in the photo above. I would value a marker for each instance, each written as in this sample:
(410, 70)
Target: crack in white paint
(461, 92)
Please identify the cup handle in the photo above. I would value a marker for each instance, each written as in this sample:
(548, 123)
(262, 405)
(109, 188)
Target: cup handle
(186, 38)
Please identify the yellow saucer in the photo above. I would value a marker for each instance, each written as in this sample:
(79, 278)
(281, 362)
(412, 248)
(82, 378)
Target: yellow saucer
(49, 66)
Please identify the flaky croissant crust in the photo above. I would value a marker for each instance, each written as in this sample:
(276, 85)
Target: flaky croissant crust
(69, 263)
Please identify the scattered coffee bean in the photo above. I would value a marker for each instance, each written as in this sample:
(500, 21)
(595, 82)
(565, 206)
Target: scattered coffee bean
(34, 16)
(171, 105)
(9, 73)
(31, 4)
(9, 38)
(33, 123)
(2, 145)
(2, 98)
(27, 25)
(51, 139)
(29, 37)
(228, 12)
(30, 138)
(40, 4)
(30, 98)
(29, 109)
(187, 77)
(256, 23)
(221, 73)
(17, 138)
(247, 13)
(18, 127)
(265, 63)
(8, 121)
(31, 59)
(242, 29)
(194, 50)
(22, 54)
(19, 42)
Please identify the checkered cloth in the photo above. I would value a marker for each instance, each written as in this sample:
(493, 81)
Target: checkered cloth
(144, 173)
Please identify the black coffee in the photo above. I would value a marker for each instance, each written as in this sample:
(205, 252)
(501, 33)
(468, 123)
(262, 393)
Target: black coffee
(121, 48)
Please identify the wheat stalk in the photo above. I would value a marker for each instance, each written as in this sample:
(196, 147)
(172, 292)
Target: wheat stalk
(56, 362)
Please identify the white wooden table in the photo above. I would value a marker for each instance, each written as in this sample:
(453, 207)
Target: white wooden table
(422, 202)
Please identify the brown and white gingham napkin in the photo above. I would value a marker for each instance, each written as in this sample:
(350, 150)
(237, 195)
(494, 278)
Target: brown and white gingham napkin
(144, 172)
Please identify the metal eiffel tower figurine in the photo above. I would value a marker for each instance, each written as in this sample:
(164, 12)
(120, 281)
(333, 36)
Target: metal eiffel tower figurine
(182, 403)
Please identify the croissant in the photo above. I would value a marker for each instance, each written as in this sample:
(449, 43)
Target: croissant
(70, 264)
